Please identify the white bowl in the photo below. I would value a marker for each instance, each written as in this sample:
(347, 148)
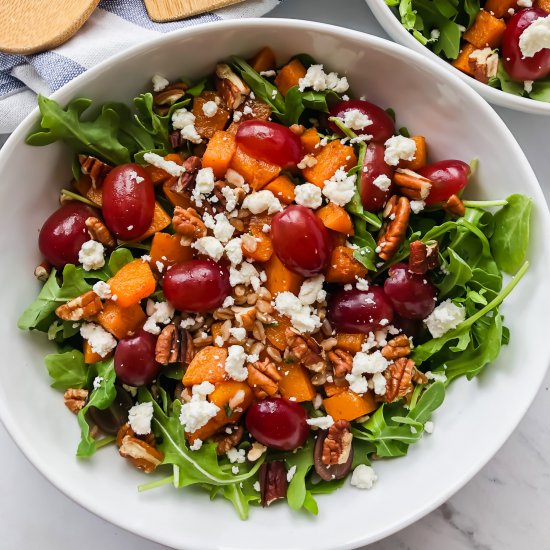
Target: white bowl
(476, 417)
(392, 25)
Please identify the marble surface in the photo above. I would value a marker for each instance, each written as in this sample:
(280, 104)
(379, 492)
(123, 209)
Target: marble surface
(505, 507)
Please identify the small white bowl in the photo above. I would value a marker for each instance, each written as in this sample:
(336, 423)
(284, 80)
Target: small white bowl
(392, 25)
(476, 417)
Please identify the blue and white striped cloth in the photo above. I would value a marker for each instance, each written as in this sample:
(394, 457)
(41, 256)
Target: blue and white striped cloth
(114, 26)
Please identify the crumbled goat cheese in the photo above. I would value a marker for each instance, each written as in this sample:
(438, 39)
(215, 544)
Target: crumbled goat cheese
(236, 455)
(528, 86)
(445, 317)
(246, 275)
(160, 313)
(237, 115)
(340, 188)
(234, 364)
(101, 341)
(209, 246)
(301, 315)
(197, 444)
(322, 422)
(317, 79)
(256, 486)
(256, 451)
(140, 416)
(378, 383)
(239, 333)
(382, 182)
(312, 291)
(102, 289)
(355, 119)
(437, 376)
(429, 427)
(91, 255)
(159, 83)
(168, 166)
(361, 284)
(307, 162)
(196, 413)
(220, 225)
(234, 251)
(261, 201)
(184, 121)
(397, 148)
(268, 74)
(230, 197)
(160, 266)
(363, 477)
(210, 108)
(218, 341)
(435, 34)
(186, 323)
(348, 287)
(228, 302)
(234, 178)
(235, 470)
(525, 3)
(365, 363)
(290, 473)
(266, 228)
(98, 380)
(308, 195)
(204, 184)
(535, 37)
(417, 206)
(203, 389)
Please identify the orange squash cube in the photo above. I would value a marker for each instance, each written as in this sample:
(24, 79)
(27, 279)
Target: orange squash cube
(208, 365)
(296, 383)
(347, 405)
(486, 32)
(132, 283)
(120, 321)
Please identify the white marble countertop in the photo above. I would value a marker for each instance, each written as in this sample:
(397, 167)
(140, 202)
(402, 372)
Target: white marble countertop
(505, 507)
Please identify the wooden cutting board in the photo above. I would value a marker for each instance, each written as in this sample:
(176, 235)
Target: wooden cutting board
(172, 10)
(30, 26)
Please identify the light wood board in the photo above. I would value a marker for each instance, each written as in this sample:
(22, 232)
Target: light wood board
(30, 26)
(172, 10)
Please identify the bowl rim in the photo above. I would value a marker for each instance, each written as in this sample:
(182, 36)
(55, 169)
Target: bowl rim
(392, 25)
(66, 93)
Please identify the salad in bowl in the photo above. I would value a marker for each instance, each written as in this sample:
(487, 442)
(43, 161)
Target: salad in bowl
(260, 284)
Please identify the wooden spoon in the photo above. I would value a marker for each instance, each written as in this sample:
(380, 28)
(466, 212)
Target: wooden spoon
(171, 10)
(30, 26)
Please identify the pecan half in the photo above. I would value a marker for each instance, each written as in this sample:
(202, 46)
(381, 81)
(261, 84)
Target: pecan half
(140, 452)
(230, 86)
(75, 399)
(187, 348)
(454, 206)
(342, 362)
(412, 185)
(82, 307)
(399, 379)
(228, 441)
(238, 192)
(337, 444)
(126, 429)
(397, 211)
(185, 183)
(273, 482)
(188, 224)
(484, 64)
(305, 349)
(423, 257)
(397, 347)
(263, 378)
(167, 348)
(42, 271)
(94, 168)
(164, 99)
(98, 232)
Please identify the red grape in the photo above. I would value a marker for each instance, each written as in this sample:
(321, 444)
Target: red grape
(197, 285)
(128, 201)
(448, 177)
(382, 127)
(270, 142)
(64, 233)
(278, 423)
(301, 241)
(135, 363)
(359, 311)
(412, 296)
(372, 197)
(516, 64)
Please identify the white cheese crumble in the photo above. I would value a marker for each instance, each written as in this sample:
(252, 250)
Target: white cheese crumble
(437, 376)
(256, 486)
(435, 34)
(290, 473)
(234, 251)
(210, 108)
(317, 401)
(417, 206)
(220, 225)
(525, 3)
(363, 477)
(260, 201)
(234, 178)
(322, 422)
(102, 289)
(184, 121)
(101, 341)
(239, 333)
(91, 255)
(317, 79)
(160, 313)
(209, 246)
(236, 456)
(301, 315)
(340, 188)
(234, 364)
(528, 86)
(445, 317)
(312, 291)
(382, 182)
(159, 83)
(361, 284)
(197, 444)
(169, 166)
(230, 197)
(378, 383)
(204, 184)
(308, 195)
(399, 148)
(367, 363)
(140, 416)
(246, 275)
(197, 412)
(355, 119)
(535, 37)
(429, 427)
(307, 162)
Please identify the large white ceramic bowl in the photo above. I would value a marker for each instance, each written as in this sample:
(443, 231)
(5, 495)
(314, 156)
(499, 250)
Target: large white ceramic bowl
(391, 23)
(476, 417)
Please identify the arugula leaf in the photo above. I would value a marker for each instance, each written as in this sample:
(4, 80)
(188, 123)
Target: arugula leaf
(241, 497)
(504, 81)
(303, 460)
(449, 40)
(67, 370)
(511, 236)
(471, 8)
(541, 90)
(131, 134)
(366, 253)
(118, 259)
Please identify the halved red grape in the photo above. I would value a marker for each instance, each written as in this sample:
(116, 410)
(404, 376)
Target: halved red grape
(64, 233)
(128, 201)
(373, 197)
(360, 311)
(135, 363)
(301, 241)
(448, 177)
(413, 296)
(270, 142)
(516, 64)
(197, 285)
(382, 127)
(278, 423)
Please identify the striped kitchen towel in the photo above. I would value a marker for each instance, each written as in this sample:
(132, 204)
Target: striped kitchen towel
(114, 26)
